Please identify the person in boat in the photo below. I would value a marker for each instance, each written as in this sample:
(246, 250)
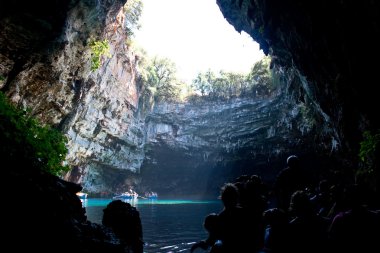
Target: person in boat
(132, 193)
(150, 195)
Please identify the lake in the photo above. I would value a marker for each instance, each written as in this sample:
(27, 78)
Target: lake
(168, 225)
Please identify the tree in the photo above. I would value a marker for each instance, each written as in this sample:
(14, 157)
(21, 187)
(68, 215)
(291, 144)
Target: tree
(132, 12)
(223, 85)
(161, 71)
(233, 83)
(260, 77)
(202, 83)
(161, 78)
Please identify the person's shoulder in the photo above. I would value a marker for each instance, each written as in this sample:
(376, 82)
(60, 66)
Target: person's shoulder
(341, 216)
(285, 171)
(323, 220)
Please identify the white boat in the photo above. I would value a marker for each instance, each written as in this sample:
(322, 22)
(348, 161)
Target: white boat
(150, 195)
(126, 196)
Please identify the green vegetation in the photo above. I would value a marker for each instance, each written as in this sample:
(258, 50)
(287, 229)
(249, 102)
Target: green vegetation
(158, 75)
(25, 141)
(132, 12)
(368, 148)
(204, 82)
(98, 49)
(369, 155)
(160, 78)
(225, 85)
(160, 82)
(261, 29)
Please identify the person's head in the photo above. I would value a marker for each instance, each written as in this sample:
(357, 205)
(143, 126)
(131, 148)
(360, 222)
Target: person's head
(256, 179)
(242, 178)
(275, 217)
(211, 222)
(229, 195)
(300, 204)
(114, 212)
(292, 161)
(254, 185)
(323, 186)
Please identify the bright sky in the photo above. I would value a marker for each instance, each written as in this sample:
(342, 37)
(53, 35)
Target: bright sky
(195, 35)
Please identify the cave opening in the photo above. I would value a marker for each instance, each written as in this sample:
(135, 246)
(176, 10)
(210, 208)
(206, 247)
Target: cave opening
(190, 133)
(119, 116)
(226, 122)
(72, 67)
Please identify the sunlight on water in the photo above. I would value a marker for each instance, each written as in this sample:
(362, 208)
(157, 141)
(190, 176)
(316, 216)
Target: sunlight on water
(104, 202)
(169, 225)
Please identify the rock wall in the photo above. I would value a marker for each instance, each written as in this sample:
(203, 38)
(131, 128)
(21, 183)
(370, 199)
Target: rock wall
(46, 66)
(193, 148)
(331, 43)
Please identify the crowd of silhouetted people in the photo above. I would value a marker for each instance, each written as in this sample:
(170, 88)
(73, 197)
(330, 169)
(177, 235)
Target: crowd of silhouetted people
(292, 216)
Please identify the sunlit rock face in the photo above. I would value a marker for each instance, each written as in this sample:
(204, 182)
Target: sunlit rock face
(46, 66)
(193, 148)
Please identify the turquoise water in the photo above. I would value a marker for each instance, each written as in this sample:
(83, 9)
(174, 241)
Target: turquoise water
(103, 202)
(168, 225)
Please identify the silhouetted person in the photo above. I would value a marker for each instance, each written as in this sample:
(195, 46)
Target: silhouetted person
(276, 231)
(125, 222)
(234, 229)
(211, 224)
(289, 180)
(322, 199)
(307, 230)
(337, 198)
(255, 205)
(358, 228)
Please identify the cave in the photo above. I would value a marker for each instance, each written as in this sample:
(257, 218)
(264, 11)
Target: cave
(327, 53)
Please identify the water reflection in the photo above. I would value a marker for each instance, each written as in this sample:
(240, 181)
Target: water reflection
(168, 225)
(84, 202)
(137, 202)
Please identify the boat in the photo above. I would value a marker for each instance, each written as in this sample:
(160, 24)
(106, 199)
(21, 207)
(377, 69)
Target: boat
(151, 195)
(82, 195)
(126, 196)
